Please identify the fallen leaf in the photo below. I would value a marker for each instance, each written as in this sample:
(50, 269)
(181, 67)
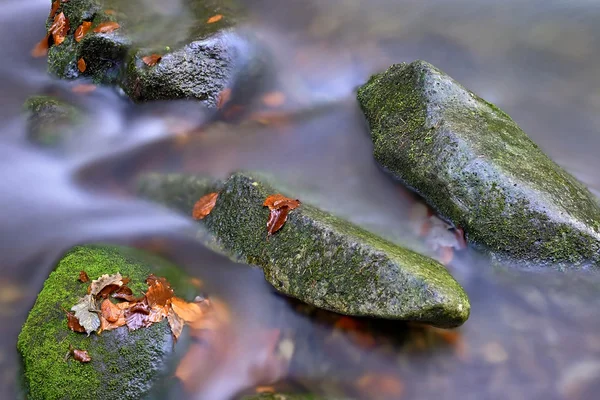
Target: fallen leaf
(387, 385)
(83, 88)
(54, 8)
(81, 65)
(107, 27)
(59, 28)
(176, 324)
(223, 97)
(204, 206)
(82, 30)
(273, 99)
(104, 281)
(110, 311)
(107, 291)
(85, 312)
(278, 200)
(157, 314)
(152, 59)
(83, 277)
(137, 316)
(125, 293)
(73, 322)
(188, 312)
(109, 326)
(214, 18)
(264, 389)
(159, 293)
(277, 219)
(80, 355)
(41, 48)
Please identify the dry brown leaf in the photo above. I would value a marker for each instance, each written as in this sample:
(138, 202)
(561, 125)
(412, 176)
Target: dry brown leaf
(106, 280)
(176, 324)
(152, 59)
(80, 355)
(214, 18)
(204, 206)
(278, 200)
(83, 88)
(54, 9)
(83, 277)
(125, 293)
(110, 311)
(73, 322)
(82, 30)
(188, 312)
(273, 99)
(109, 326)
(137, 316)
(277, 219)
(107, 27)
(41, 48)
(81, 65)
(159, 293)
(59, 28)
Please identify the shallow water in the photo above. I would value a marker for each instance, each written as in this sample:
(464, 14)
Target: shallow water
(531, 335)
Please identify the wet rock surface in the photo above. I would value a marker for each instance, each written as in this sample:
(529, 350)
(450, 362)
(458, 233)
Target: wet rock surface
(48, 120)
(474, 164)
(323, 260)
(124, 364)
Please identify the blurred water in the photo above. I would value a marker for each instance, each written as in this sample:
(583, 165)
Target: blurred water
(530, 336)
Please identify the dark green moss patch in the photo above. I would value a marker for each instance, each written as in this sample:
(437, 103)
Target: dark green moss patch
(124, 364)
(472, 163)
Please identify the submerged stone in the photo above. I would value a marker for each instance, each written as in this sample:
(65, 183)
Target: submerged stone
(124, 365)
(477, 168)
(321, 259)
(49, 120)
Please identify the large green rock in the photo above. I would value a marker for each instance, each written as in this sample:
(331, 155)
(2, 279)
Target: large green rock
(477, 168)
(124, 365)
(321, 259)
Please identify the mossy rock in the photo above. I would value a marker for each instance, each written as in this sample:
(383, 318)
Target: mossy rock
(477, 168)
(321, 259)
(124, 365)
(49, 120)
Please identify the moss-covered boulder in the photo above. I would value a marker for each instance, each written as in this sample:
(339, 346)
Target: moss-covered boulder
(124, 364)
(49, 120)
(477, 168)
(321, 259)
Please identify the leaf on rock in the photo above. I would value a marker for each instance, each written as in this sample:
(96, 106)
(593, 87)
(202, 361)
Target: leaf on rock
(277, 219)
(81, 65)
(125, 293)
(188, 312)
(137, 316)
(54, 9)
(107, 27)
(176, 324)
(110, 311)
(86, 313)
(59, 28)
(276, 201)
(106, 280)
(159, 292)
(81, 30)
(80, 355)
(73, 322)
(152, 59)
(214, 18)
(41, 48)
(204, 206)
(83, 277)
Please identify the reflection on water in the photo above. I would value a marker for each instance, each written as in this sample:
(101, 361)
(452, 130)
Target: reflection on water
(529, 335)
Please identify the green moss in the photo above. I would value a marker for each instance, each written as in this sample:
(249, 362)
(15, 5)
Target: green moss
(477, 168)
(49, 120)
(124, 364)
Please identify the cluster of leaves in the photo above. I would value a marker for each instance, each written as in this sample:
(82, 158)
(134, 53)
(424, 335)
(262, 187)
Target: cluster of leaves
(60, 28)
(97, 312)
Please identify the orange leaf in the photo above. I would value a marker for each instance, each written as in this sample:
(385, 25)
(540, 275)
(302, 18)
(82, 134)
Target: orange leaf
(83, 277)
(151, 60)
(81, 65)
(41, 49)
(107, 27)
(59, 28)
(80, 355)
(110, 311)
(277, 219)
(214, 18)
(188, 312)
(276, 201)
(82, 30)
(176, 324)
(387, 385)
(273, 99)
(223, 98)
(73, 323)
(159, 293)
(54, 8)
(204, 206)
(83, 88)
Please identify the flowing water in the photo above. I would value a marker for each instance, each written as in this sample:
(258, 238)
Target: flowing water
(531, 335)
